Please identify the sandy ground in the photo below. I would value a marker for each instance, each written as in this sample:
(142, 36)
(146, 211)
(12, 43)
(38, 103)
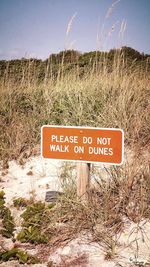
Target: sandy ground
(32, 179)
(133, 249)
(37, 177)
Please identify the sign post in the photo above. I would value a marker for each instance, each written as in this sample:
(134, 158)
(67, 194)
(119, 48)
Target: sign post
(85, 145)
(83, 180)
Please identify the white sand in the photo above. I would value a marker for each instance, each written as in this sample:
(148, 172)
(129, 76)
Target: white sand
(40, 175)
(17, 182)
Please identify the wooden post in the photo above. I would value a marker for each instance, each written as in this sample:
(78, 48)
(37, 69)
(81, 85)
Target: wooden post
(83, 180)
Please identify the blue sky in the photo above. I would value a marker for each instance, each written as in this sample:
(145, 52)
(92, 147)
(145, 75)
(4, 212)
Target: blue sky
(37, 28)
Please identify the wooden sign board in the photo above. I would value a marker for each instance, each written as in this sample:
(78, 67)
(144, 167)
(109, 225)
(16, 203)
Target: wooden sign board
(84, 144)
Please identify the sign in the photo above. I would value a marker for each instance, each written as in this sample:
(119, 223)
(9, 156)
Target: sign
(84, 144)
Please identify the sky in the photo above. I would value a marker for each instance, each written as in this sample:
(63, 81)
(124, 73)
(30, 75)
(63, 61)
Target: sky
(38, 28)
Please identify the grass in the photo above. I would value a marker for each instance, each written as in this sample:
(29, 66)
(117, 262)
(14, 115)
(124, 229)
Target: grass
(112, 203)
(101, 98)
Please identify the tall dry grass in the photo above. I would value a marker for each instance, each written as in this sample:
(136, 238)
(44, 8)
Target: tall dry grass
(100, 98)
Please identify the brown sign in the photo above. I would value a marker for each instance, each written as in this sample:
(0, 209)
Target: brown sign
(85, 144)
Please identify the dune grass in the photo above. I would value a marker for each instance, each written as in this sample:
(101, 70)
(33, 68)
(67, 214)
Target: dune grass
(101, 98)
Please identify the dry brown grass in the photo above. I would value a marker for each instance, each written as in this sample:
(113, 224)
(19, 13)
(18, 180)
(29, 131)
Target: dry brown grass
(111, 203)
(100, 98)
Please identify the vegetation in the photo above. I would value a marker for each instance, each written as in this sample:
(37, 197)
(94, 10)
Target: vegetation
(94, 89)
(21, 202)
(124, 196)
(17, 254)
(31, 70)
(36, 216)
(7, 219)
(97, 89)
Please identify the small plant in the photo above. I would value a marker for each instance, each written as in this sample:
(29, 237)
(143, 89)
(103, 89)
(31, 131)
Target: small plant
(36, 217)
(7, 219)
(21, 202)
(2, 201)
(17, 254)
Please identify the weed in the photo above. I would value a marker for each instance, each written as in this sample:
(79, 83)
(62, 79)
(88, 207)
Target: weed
(21, 202)
(36, 218)
(17, 254)
(7, 219)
